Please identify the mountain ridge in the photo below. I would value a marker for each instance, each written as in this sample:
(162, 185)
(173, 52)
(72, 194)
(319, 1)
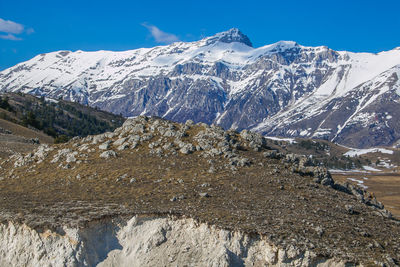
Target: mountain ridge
(223, 80)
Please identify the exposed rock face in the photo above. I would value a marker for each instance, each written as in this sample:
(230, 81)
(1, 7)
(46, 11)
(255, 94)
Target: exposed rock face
(233, 35)
(280, 89)
(145, 242)
(361, 117)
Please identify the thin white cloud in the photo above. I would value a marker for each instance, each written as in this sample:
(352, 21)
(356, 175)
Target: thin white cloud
(9, 26)
(159, 35)
(10, 37)
(11, 29)
(30, 31)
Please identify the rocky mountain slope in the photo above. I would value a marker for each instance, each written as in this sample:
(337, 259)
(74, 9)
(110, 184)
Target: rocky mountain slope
(189, 192)
(281, 89)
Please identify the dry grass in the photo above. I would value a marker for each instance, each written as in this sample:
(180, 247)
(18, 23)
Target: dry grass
(19, 140)
(25, 132)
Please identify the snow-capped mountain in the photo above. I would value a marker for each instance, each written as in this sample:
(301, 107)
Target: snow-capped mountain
(280, 89)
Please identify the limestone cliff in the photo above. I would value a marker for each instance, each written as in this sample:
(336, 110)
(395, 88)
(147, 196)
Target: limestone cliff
(146, 241)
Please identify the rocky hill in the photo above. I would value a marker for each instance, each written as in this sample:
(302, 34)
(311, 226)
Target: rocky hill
(282, 89)
(158, 193)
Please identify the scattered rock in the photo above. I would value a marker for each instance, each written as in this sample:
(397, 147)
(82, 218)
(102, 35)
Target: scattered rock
(273, 154)
(123, 146)
(189, 123)
(105, 145)
(243, 162)
(134, 145)
(319, 230)
(122, 177)
(108, 154)
(71, 157)
(187, 149)
(120, 141)
(175, 198)
(84, 147)
(64, 153)
(349, 209)
(98, 138)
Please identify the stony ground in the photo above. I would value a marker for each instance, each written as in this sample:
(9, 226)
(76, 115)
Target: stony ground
(228, 179)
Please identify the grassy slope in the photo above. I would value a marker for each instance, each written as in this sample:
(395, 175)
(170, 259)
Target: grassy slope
(20, 130)
(19, 140)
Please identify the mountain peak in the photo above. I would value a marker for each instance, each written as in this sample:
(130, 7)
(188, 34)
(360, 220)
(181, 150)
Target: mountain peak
(282, 46)
(230, 36)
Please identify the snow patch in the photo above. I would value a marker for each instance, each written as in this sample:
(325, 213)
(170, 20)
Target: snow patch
(360, 183)
(369, 168)
(346, 171)
(289, 140)
(304, 133)
(51, 100)
(322, 132)
(357, 152)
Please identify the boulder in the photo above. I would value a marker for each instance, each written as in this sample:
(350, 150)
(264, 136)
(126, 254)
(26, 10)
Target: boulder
(108, 154)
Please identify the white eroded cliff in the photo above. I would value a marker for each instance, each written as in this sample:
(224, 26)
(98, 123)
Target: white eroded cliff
(144, 242)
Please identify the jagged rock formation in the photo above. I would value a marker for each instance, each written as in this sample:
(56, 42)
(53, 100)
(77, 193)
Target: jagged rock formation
(281, 89)
(223, 197)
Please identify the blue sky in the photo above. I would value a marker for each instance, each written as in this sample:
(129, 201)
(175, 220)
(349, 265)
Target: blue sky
(28, 28)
